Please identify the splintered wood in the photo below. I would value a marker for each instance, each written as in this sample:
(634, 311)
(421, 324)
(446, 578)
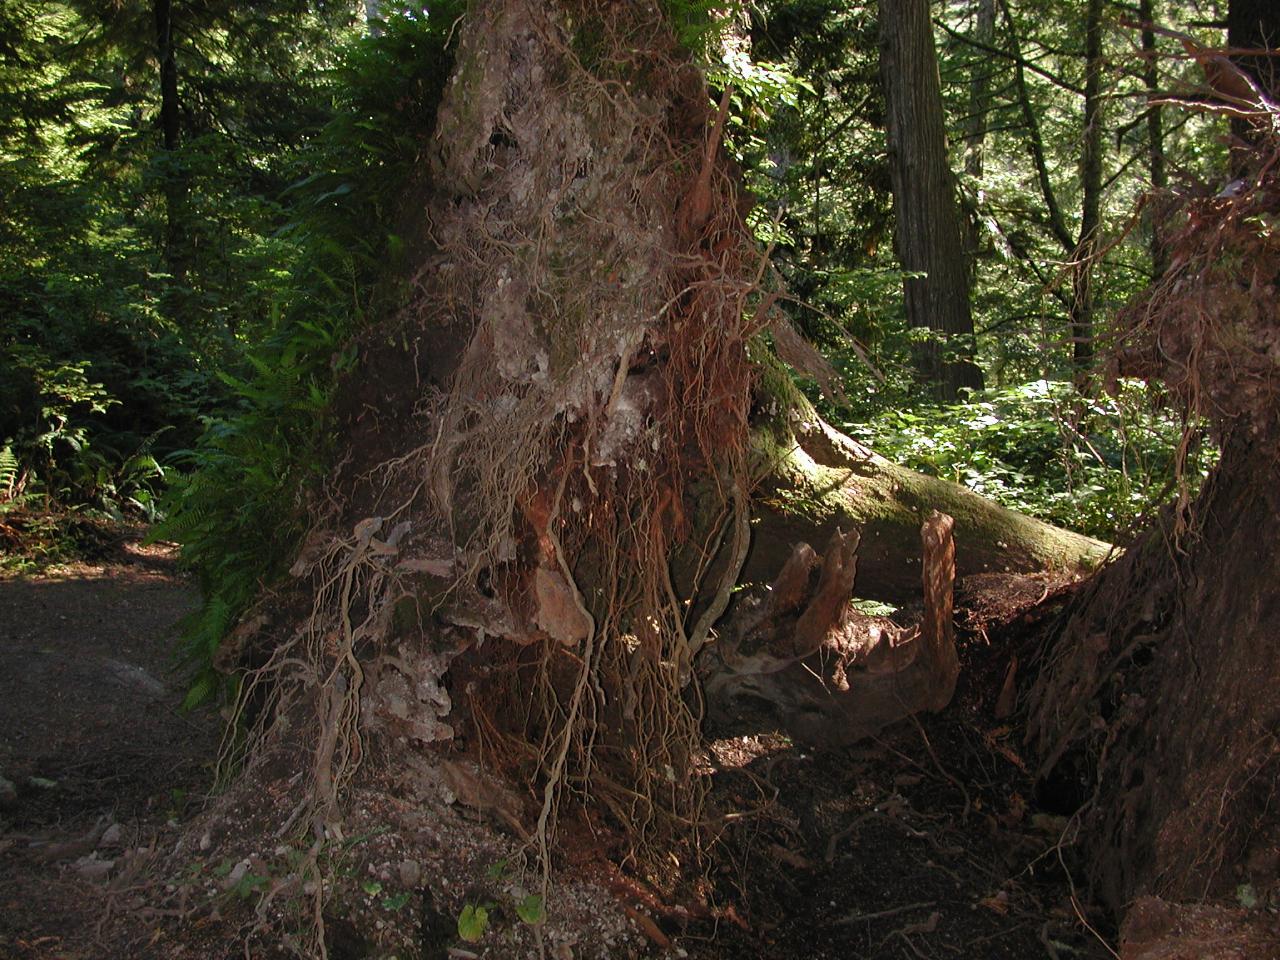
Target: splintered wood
(825, 672)
(937, 628)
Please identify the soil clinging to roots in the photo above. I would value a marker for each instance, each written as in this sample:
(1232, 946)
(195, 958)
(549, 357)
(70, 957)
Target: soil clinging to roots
(542, 505)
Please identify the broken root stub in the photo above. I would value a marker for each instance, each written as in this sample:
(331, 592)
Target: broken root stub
(805, 659)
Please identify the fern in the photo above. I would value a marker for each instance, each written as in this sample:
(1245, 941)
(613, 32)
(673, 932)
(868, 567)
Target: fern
(15, 493)
(8, 473)
(239, 511)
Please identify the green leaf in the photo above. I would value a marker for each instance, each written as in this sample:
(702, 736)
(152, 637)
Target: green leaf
(497, 870)
(531, 910)
(397, 902)
(473, 922)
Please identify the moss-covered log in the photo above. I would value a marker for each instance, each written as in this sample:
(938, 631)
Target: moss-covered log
(816, 480)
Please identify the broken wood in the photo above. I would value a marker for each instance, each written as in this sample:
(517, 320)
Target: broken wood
(802, 658)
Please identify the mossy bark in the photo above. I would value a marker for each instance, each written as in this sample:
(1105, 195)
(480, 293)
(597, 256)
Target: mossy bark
(816, 480)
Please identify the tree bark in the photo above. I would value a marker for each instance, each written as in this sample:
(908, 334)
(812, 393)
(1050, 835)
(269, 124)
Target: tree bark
(930, 238)
(1158, 709)
(1086, 248)
(174, 179)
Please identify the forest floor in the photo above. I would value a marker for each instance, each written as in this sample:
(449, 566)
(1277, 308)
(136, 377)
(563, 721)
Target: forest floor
(923, 843)
(929, 841)
(101, 759)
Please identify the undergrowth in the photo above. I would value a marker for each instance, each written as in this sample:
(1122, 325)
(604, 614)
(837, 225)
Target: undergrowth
(1098, 465)
(242, 502)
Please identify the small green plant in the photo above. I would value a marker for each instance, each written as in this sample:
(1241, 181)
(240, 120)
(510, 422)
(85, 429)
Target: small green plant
(498, 869)
(531, 909)
(397, 902)
(473, 921)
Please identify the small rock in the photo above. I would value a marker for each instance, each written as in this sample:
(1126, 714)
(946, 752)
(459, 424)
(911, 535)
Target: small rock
(8, 792)
(111, 836)
(410, 873)
(93, 869)
(236, 875)
(205, 841)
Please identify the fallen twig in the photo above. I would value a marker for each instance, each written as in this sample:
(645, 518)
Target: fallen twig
(879, 914)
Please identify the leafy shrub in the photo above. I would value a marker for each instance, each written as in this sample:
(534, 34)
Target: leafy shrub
(1093, 464)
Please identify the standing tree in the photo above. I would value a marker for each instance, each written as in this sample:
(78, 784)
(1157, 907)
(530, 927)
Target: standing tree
(1253, 26)
(980, 90)
(1087, 242)
(930, 239)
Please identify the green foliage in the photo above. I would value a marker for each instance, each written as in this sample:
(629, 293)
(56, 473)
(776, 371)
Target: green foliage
(473, 921)
(1096, 465)
(242, 503)
(702, 25)
(130, 273)
(531, 910)
(817, 162)
(238, 508)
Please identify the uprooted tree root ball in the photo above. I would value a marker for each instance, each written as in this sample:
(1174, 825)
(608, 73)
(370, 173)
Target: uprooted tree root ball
(490, 576)
(1156, 707)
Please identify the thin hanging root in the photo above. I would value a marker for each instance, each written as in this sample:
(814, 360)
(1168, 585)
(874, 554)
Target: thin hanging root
(741, 520)
(555, 775)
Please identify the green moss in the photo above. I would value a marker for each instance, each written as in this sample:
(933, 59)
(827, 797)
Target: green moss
(801, 499)
(776, 395)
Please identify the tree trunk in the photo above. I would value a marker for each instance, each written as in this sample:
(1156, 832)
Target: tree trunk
(1158, 708)
(1155, 714)
(930, 239)
(1087, 244)
(174, 179)
(819, 481)
(1251, 25)
(1155, 127)
(979, 91)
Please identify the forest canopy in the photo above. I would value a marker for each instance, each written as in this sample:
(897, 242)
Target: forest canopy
(177, 212)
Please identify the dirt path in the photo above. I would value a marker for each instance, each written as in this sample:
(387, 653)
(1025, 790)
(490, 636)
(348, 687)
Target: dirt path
(925, 842)
(91, 739)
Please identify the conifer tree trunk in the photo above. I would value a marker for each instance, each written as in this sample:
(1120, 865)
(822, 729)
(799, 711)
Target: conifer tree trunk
(1155, 127)
(1082, 295)
(980, 92)
(930, 239)
(1252, 25)
(175, 187)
